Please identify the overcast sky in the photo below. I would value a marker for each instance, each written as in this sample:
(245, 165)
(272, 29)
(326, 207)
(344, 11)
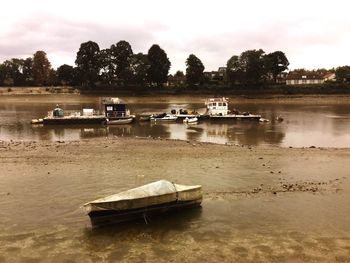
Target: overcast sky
(313, 34)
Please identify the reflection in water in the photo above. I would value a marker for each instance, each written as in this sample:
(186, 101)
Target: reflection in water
(304, 125)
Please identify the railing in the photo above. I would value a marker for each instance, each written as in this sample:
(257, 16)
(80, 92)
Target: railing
(75, 113)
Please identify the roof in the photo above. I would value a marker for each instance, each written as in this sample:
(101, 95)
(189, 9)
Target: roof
(306, 76)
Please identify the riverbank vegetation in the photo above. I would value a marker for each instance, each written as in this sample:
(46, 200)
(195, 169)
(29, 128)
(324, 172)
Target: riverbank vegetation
(118, 69)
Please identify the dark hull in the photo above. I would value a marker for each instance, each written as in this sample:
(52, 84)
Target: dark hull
(242, 118)
(74, 121)
(109, 217)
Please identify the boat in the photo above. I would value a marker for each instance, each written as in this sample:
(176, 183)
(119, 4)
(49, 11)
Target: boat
(142, 202)
(116, 111)
(37, 121)
(190, 120)
(182, 114)
(263, 120)
(217, 109)
(58, 116)
(119, 121)
(163, 117)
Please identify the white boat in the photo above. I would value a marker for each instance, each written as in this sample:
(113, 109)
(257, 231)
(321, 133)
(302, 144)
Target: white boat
(190, 120)
(163, 117)
(141, 202)
(119, 121)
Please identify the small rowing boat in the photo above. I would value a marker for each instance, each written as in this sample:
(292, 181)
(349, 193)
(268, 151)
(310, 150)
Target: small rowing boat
(141, 202)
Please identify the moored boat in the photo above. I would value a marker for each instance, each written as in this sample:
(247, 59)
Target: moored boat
(116, 111)
(217, 109)
(190, 120)
(119, 121)
(163, 117)
(141, 202)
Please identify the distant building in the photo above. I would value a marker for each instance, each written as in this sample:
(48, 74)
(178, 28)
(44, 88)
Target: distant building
(309, 78)
(282, 78)
(220, 74)
(176, 80)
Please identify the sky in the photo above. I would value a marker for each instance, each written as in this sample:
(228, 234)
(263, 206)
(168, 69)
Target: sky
(312, 34)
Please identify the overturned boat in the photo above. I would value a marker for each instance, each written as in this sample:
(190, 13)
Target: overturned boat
(137, 203)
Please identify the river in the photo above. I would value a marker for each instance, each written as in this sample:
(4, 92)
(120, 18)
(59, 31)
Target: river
(320, 122)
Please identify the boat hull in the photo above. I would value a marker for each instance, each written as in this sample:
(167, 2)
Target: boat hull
(235, 117)
(76, 120)
(110, 217)
(119, 121)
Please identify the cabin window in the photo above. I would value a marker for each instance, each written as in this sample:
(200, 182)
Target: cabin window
(220, 103)
(224, 104)
(109, 108)
(214, 104)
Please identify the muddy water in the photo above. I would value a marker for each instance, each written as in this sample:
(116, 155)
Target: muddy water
(272, 205)
(309, 122)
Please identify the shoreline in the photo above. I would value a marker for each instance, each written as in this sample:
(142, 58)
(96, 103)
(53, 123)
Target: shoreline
(271, 203)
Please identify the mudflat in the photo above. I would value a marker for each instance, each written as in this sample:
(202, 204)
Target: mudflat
(260, 203)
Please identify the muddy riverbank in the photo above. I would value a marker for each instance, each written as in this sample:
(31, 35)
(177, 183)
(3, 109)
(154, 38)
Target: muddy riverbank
(260, 203)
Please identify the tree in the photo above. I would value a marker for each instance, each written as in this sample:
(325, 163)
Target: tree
(41, 68)
(88, 63)
(234, 70)
(194, 70)
(179, 73)
(139, 67)
(275, 63)
(107, 67)
(159, 65)
(11, 72)
(27, 71)
(121, 55)
(342, 74)
(252, 65)
(65, 74)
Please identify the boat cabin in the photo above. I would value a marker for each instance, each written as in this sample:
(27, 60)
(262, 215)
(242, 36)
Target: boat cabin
(217, 106)
(115, 108)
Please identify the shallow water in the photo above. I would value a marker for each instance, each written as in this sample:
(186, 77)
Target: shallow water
(310, 123)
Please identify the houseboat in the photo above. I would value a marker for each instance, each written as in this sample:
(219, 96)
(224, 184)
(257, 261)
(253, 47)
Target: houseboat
(217, 109)
(116, 111)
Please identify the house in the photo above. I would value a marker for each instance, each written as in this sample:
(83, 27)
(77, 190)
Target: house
(176, 80)
(329, 77)
(220, 74)
(308, 78)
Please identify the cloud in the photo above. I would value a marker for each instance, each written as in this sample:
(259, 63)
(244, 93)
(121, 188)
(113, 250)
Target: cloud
(62, 36)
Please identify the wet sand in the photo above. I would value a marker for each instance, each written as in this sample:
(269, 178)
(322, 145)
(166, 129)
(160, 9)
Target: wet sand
(266, 204)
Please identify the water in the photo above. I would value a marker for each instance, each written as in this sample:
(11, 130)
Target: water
(309, 122)
(43, 187)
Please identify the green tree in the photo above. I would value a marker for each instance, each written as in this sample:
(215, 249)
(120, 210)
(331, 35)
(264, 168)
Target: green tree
(11, 72)
(275, 63)
(139, 67)
(108, 75)
(88, 63)
(342, 74)
(121, 55)
(194, 70)
(252, 65)
(159, 65)
(234, 70)
(27, 71)
(41, 68)
(179, 73)
(65, 74)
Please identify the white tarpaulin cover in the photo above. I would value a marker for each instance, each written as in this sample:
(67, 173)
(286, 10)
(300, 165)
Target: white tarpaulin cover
(155, 193)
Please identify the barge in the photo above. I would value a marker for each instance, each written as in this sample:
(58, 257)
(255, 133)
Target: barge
(60, 117)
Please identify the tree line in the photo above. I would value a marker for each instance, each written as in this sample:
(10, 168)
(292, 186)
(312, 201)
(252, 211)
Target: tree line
(119, 66)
